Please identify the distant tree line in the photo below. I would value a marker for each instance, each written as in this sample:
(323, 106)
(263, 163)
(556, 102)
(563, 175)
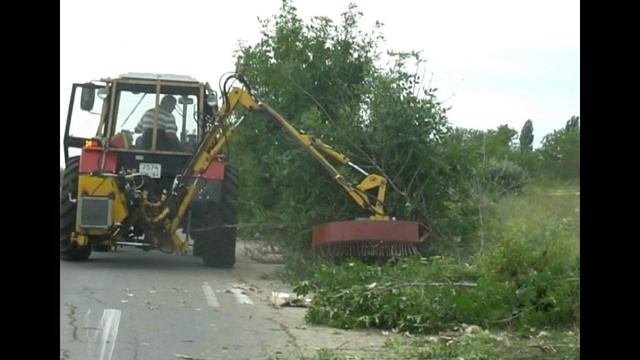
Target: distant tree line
(557, 158)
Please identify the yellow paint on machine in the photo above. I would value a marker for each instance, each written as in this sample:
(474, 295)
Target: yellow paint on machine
(100, 185)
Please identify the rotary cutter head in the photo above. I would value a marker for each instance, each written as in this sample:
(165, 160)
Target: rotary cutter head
(368, 239)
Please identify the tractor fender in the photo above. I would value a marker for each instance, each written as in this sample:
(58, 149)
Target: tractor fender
(211, 188)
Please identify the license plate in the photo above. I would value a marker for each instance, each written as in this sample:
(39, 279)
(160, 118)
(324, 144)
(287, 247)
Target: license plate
(152, 170)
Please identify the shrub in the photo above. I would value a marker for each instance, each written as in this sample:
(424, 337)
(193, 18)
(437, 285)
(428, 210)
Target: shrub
(505, 176)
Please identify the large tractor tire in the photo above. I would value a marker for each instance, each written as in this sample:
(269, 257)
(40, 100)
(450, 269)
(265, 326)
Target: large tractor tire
(214, 231)
(69, 251)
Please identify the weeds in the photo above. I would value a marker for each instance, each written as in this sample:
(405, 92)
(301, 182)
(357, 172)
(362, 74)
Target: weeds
(490, 345)
(529, 276)
(527, 345)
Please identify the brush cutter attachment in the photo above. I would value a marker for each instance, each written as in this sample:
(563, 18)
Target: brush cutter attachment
(368, 239)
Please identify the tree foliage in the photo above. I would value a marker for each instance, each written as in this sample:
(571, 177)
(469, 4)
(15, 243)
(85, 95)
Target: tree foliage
(560, 151)
(573, 123)
(325, 79)
(526, 136)
(500, 142)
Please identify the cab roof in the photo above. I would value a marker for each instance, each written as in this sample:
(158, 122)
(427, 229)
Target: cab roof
(165, 77)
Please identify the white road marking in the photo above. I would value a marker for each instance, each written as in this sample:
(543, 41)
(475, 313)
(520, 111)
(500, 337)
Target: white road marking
(108, 331)
(210, 295)
(240, 297)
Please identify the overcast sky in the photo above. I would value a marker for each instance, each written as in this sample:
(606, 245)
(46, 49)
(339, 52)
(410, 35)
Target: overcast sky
(494, 62)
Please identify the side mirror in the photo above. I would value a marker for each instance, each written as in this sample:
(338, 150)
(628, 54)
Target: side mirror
(88, 98)
(211, 106)
(212, 100)
(102, 93)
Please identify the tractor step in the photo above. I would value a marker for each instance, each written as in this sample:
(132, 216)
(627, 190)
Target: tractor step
(136, 244)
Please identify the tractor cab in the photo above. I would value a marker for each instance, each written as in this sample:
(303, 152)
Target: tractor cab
(128, 142)
(144, 123)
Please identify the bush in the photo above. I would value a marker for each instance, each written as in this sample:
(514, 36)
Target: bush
(505, 176)
(545, 287)
(534, 247)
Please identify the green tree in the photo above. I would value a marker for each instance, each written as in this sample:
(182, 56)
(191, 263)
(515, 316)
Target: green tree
(314, 75)
(324, 78)
(499, 143)
(573, 123)
(526, 157)
(526, 136)
(560, 151)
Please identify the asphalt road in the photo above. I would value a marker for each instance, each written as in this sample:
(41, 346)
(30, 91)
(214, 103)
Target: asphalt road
(132, 304)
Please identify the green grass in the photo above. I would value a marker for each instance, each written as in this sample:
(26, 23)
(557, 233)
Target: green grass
(542, 213)
(534, 246)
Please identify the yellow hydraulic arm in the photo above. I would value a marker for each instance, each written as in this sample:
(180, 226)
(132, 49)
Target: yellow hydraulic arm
(217, 138)
(316, 147)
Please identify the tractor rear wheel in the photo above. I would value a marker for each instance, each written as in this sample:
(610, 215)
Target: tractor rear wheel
(101, 247)
(68, 250)
(214, 232)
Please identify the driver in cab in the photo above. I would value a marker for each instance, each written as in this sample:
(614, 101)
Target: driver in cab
(167, 129)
